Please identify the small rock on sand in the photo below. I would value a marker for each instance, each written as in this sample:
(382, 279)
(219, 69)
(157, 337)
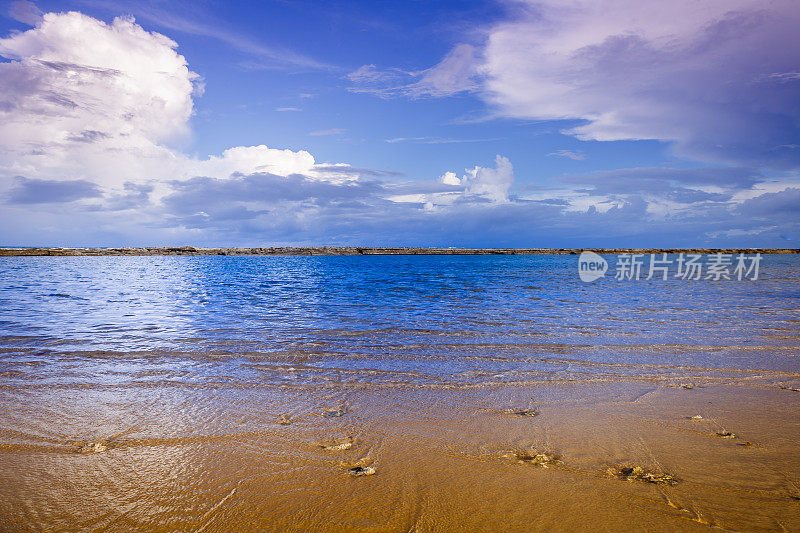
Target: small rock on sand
(543, 459)
(335, 412)
(93, 447)
(337, 447)
(637, 473)
(523, 412)
(357, 471)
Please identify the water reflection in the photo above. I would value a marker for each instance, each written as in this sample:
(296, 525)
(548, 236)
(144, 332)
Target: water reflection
(419, 318)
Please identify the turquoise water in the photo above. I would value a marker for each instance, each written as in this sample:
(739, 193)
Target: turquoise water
(422, 320)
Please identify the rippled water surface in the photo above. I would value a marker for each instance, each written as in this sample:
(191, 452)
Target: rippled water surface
(420, 319)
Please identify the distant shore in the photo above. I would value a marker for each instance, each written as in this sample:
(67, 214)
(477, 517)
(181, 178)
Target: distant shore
(364, 250)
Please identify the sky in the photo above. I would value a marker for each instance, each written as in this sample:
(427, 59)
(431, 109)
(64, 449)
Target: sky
(529, 123)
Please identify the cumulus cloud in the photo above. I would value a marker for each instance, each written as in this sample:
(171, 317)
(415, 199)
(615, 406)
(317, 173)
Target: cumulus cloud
(252, 159)
(98, 105)
(134, 84)
(490, 184)
(84, 100)
(450, 178)
(259, 208)
(716, 77)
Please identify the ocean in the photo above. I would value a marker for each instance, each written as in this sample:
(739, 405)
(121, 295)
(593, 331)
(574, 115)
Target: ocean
(410, 319)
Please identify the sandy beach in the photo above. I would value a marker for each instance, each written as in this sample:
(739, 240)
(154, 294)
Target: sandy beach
(185, 458)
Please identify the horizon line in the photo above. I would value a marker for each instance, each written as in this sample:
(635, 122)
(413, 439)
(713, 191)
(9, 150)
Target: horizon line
(356, 250)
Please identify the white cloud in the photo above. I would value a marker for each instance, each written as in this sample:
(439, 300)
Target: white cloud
(696, 73)
(252, 159)
(371, 74)
(491, 184)
(569, 154)
(84, 100)
(118, 78)
(384, 83)
(455, 73)
(718, 78)
(450, 178)
(25, 12)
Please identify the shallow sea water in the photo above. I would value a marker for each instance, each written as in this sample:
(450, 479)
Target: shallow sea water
(208, 382)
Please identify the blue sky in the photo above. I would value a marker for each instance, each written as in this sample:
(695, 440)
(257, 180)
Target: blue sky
(515, 123)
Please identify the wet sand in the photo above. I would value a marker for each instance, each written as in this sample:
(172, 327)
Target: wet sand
(168, 456)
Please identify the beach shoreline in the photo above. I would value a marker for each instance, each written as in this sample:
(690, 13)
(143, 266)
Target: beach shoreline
(396, 394)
